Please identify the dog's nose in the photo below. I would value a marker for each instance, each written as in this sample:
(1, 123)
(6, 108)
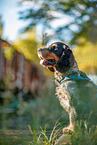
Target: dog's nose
(39, 49)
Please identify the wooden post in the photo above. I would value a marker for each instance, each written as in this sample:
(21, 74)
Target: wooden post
(1, 61)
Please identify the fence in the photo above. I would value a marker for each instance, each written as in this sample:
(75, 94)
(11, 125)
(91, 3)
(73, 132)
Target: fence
(25, 75)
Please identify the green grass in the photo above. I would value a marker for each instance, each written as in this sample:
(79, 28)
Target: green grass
(43, 137)
(44, 111)
(84, 134)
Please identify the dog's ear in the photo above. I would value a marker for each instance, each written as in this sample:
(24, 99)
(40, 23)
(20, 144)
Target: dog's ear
(65, 61)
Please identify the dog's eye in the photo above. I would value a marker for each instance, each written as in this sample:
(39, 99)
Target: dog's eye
(55, 47)
(52, 47)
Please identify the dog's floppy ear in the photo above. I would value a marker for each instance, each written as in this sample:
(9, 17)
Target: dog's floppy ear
(66, 60)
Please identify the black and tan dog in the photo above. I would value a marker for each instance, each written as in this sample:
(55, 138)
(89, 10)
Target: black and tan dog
(76, 92)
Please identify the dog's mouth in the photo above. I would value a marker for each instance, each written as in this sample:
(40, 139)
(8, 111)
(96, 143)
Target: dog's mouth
(47, 59)
(47, 62)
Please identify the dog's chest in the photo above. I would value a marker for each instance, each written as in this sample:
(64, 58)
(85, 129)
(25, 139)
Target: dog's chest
(63, 95)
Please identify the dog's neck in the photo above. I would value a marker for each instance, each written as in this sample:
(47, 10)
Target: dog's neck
(74, 70)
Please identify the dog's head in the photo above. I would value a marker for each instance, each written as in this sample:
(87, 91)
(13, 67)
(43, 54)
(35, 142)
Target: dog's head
(58, 56)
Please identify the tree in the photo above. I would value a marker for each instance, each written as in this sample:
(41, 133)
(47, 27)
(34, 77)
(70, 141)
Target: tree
(80, 15)
(28, 46)
(86, 57)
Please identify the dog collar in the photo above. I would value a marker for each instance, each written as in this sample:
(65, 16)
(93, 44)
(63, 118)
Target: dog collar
(74, 77)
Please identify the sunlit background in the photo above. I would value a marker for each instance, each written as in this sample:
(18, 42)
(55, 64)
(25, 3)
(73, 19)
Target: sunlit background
(27, 90)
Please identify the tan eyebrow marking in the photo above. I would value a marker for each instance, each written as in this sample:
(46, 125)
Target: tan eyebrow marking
(54, 45)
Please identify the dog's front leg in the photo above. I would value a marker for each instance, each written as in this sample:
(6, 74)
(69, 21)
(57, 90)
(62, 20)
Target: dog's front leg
(72, 118)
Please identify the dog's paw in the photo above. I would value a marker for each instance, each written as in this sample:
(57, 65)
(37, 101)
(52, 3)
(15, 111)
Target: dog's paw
(63, 140)
(69, 129)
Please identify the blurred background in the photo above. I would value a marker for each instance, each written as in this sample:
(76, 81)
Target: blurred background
(27, 90)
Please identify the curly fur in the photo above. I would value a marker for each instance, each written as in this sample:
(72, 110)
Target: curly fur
(77, 95)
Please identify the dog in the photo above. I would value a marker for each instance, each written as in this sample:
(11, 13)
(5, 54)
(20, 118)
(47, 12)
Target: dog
(76, 92)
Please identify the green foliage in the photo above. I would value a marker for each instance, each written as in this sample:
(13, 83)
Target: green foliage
(86, 56)
(8, 52)
(1, 25)
(28, 46)
(43, 138)
(84, 134)
(54, 134)
(80, 16)
(35, 137)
